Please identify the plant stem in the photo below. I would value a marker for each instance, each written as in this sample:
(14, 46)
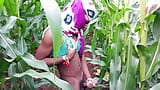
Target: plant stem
(143, 40)
(128, 64)
(115, 61)
(125, 31)
(143, 32)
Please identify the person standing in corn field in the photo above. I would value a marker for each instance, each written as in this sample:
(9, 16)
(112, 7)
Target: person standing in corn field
(71, 63)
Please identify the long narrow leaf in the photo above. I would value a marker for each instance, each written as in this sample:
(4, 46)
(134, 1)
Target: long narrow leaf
(115, 64)
(31, 61)
(1, 4)
(150, 70)
(53, 15)
(12, 7)
(155, 87)
(94, 42)
(47, 75)
(21, 46)
(156, 27)
(128, 76)
(9, 25)
(6, 43)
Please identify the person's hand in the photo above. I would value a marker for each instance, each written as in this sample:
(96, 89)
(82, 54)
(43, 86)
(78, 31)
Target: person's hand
(66, 60)
(71, 51)
(91, 83)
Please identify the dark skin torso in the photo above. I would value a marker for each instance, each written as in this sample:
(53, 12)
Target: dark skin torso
(77, 68)
(72, 73)
(74, 67)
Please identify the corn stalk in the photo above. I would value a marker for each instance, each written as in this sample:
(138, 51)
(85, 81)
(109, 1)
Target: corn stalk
(125, 31)
(143, 39)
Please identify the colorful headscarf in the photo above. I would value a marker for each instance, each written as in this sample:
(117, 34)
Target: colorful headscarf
(73, 18)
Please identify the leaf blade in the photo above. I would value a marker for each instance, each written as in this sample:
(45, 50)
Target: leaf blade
(47, 75)
(54, 20)
(30, 60)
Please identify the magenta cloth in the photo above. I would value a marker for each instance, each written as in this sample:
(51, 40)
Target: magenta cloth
(73, 19)
(79, 14)
(80, 21)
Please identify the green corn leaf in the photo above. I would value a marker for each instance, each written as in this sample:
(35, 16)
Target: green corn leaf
(37, 8)
(27, 81)
(115, 64)
(156, 27)
(1, 4)
(21, 46)
(94, 42)
(6, 28)
(154, 60)
(4, 66)
(12, 69)
(46, 75)
(6, 43)
(115, 67)
(12, 7)
(53, 15)
(155, 87)
(31, 61)
(158, 11)
(127, 78)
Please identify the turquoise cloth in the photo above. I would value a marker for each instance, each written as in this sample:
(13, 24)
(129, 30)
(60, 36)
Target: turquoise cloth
(63, 49)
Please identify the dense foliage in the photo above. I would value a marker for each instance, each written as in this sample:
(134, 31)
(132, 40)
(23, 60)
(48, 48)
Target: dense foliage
(125, 45)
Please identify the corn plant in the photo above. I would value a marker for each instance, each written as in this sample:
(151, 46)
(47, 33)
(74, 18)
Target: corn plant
(21, 26)
(125, 44)
(130, 47)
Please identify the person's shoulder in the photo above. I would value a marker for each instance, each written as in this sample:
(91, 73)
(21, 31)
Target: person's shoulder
(48, 34)
(47, 37)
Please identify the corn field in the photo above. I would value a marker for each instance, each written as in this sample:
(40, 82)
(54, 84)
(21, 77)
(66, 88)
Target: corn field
(125, 44)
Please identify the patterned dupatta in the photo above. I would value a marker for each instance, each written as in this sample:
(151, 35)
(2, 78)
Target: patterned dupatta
(73, 18)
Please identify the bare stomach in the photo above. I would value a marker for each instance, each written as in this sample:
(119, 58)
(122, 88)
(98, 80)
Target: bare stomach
(72, 73)
(73, 70)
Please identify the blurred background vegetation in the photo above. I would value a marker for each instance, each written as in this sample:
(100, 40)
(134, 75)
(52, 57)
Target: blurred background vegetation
(124, 41)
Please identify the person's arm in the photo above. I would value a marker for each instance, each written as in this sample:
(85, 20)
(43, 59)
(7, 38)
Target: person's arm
(90, 83)
(45, 49)
(85, 67)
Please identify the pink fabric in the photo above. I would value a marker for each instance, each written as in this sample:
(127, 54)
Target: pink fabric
(79, 14)
(73, 18)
